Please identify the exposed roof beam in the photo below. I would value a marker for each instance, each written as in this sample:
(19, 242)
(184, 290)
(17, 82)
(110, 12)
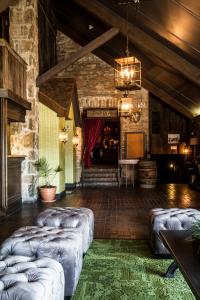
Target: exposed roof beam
(102, 39)
(153, 88)
(52, 104)
(142, 39)
(165, 95)
(6, 3)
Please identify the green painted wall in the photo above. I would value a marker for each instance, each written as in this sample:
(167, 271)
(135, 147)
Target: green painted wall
(62, 124)
(49, 144)
(70, 157)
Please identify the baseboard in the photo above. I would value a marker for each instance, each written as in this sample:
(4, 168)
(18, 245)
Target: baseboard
(60, 195)
(70, 186)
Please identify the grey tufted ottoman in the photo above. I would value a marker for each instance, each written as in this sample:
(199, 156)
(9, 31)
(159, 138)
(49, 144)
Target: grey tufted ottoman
(169, 219)
(63, 245)
(26, 278)
(81, 219)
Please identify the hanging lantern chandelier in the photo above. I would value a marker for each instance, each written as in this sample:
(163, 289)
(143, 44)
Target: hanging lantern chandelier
(127, 73)
(127, 69)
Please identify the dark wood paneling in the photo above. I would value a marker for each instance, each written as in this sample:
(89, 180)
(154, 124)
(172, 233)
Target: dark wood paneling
(13, 71)
(14, 186)
(47, 36)
(166, 121)
(16, 113)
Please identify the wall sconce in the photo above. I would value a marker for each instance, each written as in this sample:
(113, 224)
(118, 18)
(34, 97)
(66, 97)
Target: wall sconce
(129, 107)
(125, 106)
(76, 140)
(186, 150)
(63, 135)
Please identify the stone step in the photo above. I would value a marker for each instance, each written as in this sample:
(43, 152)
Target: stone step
(99, 184)
(104, 170)
(100, 175)
(101, 179)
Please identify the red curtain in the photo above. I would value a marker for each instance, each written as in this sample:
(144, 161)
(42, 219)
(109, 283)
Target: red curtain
(92, 130)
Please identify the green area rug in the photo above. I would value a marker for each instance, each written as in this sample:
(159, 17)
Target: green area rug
(126, 269)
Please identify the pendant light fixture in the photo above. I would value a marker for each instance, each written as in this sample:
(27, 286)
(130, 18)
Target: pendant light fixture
(128, 68)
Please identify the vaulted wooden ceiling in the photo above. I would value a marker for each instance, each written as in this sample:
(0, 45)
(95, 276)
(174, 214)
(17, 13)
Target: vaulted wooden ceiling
(165, 37)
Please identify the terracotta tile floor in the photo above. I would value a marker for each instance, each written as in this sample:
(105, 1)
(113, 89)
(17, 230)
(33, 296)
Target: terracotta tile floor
(119, 213)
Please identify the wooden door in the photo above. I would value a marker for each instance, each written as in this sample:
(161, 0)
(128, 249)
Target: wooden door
(134, 145)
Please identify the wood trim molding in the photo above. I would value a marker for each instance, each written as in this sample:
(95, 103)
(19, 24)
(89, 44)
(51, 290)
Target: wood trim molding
(5, 93)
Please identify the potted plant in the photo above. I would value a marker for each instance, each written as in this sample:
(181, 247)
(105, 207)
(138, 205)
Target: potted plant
(47, 191)
(195, 232)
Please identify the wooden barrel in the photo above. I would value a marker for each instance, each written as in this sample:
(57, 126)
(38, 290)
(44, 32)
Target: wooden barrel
(147, 174)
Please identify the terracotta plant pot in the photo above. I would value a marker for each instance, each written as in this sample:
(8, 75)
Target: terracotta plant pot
(48, 194)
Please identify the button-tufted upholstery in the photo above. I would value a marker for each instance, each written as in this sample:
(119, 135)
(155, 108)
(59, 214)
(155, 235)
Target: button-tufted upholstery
(63, 245)
(70, 217)
(169, 219)
(27, 278)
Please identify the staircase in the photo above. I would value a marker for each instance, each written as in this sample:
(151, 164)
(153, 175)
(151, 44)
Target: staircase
(102, 176)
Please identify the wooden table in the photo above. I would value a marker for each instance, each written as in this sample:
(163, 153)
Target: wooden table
(127, 163)
(185, 257)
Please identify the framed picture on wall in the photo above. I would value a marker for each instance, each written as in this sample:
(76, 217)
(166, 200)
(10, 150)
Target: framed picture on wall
(134, 145)
(173, 138)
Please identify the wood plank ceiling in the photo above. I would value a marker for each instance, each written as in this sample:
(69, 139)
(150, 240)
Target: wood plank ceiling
(165, 37)
(50, 95)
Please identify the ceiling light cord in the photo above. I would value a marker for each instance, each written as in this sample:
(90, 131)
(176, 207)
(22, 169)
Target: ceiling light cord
(137, 2)
(127, 30)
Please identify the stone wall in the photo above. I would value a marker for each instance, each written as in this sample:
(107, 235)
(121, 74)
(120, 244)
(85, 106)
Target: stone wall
(24, 136)
(95, 84)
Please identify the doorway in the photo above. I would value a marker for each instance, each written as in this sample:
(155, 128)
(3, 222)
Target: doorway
(101, 137)
(106, 149)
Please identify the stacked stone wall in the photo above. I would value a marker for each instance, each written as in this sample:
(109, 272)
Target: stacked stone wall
(24, 136)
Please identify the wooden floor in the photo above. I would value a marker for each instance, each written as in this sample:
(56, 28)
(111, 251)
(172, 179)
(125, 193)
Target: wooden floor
(119, 213)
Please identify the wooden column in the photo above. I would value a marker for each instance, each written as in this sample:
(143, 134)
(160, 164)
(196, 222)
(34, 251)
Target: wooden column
(3, 155)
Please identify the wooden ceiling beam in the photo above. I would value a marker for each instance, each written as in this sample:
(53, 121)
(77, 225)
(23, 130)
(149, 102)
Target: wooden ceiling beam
(142, 40)
(168, 96)
(153, 88)
(165, 76)
(102, 39)
(6, 3)
(52, 104)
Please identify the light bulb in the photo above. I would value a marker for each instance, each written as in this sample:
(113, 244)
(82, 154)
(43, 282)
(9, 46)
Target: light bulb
(125, 106)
